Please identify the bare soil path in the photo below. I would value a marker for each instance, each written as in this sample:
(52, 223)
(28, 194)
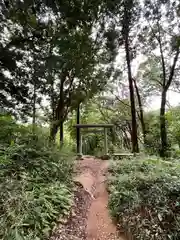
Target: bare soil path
(90, 219)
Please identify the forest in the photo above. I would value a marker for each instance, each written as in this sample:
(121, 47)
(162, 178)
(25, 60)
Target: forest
(65, 62)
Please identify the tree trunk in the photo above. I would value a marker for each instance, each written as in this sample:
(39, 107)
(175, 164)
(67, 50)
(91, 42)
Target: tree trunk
(34, 109)
(60, 110)
(141, 111)
(53, 132)
(61, 132)
(126, 141)
(59, 113)
(134, 137)
(52, 100)
(78, 130)
(163, 132)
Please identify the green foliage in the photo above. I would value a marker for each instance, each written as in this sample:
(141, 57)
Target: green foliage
(152, 145)
(35, 183)
(8, 127)
(153, 133)
(173, 118)
(144, 198)
(47, 45)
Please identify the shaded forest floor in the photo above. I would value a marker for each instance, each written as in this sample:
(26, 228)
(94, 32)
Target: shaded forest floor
(89, 217)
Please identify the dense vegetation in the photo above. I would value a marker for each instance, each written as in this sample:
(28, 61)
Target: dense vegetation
(35, 182)
(145, 197)
(65, 62)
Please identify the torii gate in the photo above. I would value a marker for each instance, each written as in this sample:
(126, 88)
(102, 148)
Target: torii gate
(104, 127)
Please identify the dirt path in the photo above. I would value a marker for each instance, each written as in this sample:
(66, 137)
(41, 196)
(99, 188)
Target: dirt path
(90, 219)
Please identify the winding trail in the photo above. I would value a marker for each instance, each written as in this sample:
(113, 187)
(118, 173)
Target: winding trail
(90, 219)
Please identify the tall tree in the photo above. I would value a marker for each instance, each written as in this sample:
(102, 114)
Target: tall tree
(124, 15)
(162, 18)
(126, 25)
(141, 110)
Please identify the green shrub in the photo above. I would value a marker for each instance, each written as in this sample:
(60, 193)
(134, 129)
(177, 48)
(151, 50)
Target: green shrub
(8, 129)
(145, 198)
(35, 185)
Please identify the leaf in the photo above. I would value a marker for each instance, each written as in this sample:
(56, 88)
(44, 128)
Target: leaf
(160, 217)
(46, 231)
(32, 21)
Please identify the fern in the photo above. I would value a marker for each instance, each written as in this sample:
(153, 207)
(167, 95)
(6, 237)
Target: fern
(35, 186)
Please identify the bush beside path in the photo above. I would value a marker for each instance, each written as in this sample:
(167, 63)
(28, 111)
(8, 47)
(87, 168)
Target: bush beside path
(145, 197)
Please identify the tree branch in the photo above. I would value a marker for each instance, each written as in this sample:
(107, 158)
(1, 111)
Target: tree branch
(171, 75)
(162, 57)
(158, 38)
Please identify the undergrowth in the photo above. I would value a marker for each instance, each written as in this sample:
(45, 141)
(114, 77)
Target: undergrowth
(145, 198)
(35, 183)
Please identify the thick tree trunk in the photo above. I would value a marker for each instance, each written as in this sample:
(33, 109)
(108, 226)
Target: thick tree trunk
(134, 137)
(141, 111)
(61, 132)
(59, 113)
(163, 131)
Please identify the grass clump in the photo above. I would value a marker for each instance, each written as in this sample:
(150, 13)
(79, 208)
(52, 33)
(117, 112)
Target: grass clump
(35, 184)
(145, 198)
